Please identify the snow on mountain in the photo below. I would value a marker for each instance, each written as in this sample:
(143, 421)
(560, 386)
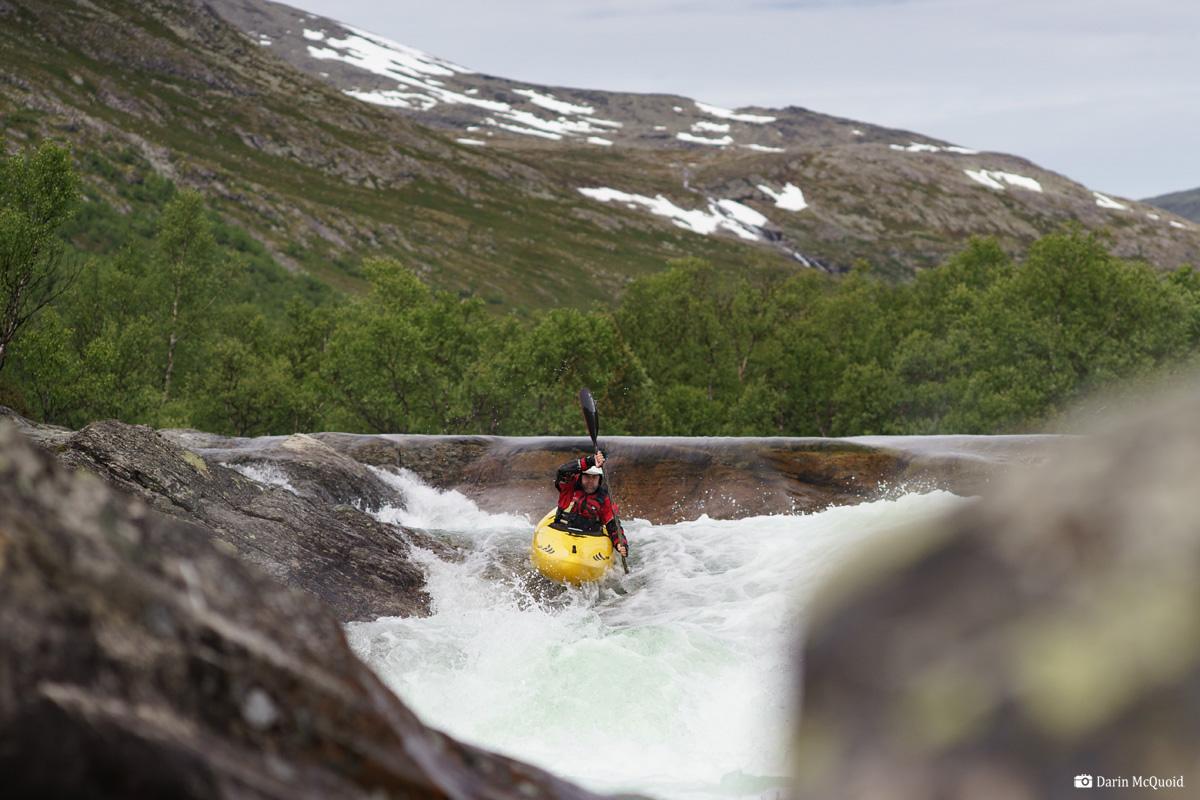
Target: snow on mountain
(733, 173)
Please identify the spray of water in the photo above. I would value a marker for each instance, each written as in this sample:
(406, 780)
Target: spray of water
(674, 681)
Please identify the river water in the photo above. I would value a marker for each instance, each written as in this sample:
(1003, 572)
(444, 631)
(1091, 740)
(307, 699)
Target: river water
(675, 681)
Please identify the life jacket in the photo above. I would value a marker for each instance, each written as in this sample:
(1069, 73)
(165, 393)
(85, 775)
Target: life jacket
(585, 511)
(580, 511)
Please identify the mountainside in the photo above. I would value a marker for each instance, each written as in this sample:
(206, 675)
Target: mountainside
(168, 87)
(1186, 204)
(824, 189)
(526, 195)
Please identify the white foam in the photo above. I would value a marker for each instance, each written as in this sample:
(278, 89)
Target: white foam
(702, 641)
(427, 508)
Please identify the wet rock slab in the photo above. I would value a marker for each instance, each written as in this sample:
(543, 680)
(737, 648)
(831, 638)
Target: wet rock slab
(671, 479)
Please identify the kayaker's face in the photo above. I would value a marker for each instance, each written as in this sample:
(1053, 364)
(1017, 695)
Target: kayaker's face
(591, 483)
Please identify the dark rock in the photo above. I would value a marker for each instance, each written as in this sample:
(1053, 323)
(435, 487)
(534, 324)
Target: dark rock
(1049, 630)
(138, 660)
(315, 470)
(357, 565)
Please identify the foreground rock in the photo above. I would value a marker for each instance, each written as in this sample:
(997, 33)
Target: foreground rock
(139, 660)
(1050, 631)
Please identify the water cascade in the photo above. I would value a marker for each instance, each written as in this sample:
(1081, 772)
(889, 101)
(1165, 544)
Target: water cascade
(675, 681)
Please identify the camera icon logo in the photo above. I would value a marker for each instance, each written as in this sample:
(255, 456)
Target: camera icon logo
(1083, 781)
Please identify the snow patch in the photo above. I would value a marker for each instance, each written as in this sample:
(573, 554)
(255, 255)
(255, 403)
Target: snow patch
(742, 213)
(382, 56)
(725, 113)
(1107, 202)
(790, 199)
(710, 127)
(995, 179)
(551, 103)
(728, 215)
(395, 99)
(925, 147)
(1175, 224)
(470, 141)
(599, 141)
(762, 148)
(529, 131)
(724, 141)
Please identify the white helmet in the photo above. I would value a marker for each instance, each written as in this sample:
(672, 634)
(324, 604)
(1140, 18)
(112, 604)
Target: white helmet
(593, 471)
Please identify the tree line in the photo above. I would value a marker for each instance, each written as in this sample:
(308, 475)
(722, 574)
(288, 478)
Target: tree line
(166, 331)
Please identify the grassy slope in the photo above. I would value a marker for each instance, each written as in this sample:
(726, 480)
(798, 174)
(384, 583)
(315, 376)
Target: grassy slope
(321, 179)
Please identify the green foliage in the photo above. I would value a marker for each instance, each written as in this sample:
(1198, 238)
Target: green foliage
(531, 384)
(186, 323)
(397, 355)
(38, 193)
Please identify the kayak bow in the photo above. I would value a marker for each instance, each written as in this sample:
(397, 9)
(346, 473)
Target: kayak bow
(566, 556)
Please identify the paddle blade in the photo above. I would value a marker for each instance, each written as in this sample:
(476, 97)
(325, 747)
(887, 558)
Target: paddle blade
(590, 415)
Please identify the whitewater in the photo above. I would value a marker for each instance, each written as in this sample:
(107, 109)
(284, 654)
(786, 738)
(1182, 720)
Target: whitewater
(677, 680)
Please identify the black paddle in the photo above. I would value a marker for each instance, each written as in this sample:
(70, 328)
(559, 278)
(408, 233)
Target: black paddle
(587, 404)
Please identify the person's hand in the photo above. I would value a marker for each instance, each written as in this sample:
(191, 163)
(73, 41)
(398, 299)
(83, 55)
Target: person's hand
(622, 549)
(599, 459)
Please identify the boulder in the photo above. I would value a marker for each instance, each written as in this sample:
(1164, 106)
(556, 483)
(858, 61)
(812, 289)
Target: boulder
(1046, 631)
(138, 659)
(317, 541)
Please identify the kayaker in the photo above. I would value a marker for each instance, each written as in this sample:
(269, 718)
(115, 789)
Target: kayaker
(584, 502)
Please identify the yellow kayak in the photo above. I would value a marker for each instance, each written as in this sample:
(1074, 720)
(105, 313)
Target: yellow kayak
(566, 557)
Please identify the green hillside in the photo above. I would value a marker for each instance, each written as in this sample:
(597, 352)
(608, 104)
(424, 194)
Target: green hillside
(159, 89)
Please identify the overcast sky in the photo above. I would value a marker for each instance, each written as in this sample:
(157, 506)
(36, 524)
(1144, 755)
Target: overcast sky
(1106, 92)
